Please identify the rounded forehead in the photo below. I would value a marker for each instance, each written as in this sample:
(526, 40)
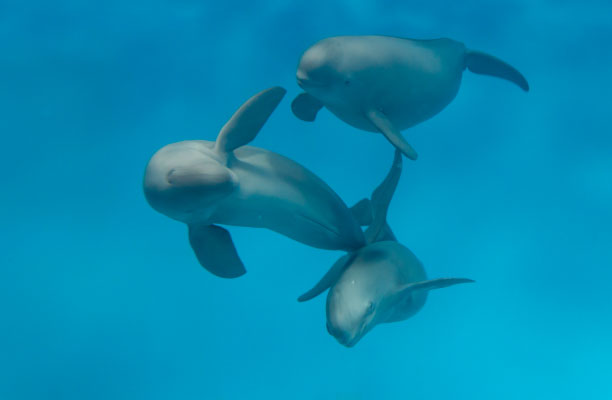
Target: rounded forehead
(347, 303)
(176, 155)
(324, 52)
(361, 284)
(181, 153)
(202, 146)
(380, 267)
(328, 44)
(372, 263)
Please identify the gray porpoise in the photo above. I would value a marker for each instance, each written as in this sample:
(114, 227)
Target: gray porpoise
(387, 84)
(204, 183)
(379, 283)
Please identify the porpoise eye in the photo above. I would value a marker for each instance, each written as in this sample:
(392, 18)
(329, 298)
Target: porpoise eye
(347, 82)
(371, 307)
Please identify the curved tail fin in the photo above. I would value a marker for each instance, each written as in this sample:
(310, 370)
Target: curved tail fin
(381, 197)
(485, 64)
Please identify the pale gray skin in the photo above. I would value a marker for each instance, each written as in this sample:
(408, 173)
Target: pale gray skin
(381, 282)
(371, 291)
(387, 84)
(202, 183)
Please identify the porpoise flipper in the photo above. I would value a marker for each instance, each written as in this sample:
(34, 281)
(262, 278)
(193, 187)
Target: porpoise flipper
(485, 64)
(306, 107)
(329, 278)
(246, 122)
(381, 197)
(214, 248)
(434, 284)
(382, 123)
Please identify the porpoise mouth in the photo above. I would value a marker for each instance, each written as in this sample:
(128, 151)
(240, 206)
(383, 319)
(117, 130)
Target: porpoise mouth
(304, 82)
(348, 341)
(344, 338)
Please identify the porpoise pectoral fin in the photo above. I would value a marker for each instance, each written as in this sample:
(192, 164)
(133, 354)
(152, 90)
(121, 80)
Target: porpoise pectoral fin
(485, 64)
(215, 250)
(244, 125)
(362, 212)
(381, 197)
(306, 107)
(434, 284)
(382, 123)
(329, 278)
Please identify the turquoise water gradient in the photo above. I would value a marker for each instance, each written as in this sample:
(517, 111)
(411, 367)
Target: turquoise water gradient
(102, 298)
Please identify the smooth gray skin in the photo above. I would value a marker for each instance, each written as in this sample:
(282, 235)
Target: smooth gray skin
(370, 291)
(379, 283)
(202, 183)
(387, 84)
(383, 282)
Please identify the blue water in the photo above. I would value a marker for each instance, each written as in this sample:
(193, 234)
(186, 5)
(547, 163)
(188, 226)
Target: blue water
(102, 298)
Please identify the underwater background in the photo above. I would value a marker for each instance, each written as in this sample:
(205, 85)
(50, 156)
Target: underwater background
(102, 298)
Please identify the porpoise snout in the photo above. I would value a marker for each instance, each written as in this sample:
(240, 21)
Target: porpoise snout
(301, 78)
(305, 82)
(184, 181)
(343, 337)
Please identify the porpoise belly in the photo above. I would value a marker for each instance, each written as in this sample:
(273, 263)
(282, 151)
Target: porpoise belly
(408, 80)
(429, 75)
(354, 116)
(278, 194)
(417, 102)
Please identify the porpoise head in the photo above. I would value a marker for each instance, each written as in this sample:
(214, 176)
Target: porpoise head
(185, 180)
(324, 71)
(381, 282)
(374, 288)
(362, 297)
